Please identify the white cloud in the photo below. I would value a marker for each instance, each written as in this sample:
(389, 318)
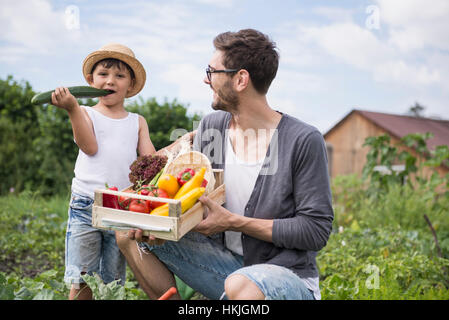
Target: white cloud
(218, 3)
(188, 79)
(34, 26)
(347, 41)
(361, 48)
(398, 71)
(297, 82)
(334, 13)
(416, 24)
(173, 40)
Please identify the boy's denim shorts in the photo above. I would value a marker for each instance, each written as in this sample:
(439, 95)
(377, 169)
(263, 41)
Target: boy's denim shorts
(204, 263)
(88, 249)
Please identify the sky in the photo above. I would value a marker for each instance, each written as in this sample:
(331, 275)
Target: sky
(336, 56)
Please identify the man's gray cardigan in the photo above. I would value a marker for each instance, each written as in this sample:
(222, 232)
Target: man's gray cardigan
(292, 188)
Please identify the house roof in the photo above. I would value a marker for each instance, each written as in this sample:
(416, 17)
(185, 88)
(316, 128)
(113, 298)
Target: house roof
(399, 126)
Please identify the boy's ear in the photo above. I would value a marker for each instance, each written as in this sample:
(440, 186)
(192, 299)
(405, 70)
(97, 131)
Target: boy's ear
(90, 79)
(131, 86)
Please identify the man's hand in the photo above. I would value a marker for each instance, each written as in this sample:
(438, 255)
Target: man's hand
(62, 98)
(189, 136)
(175, 148)
(216, 218)
(137, 234)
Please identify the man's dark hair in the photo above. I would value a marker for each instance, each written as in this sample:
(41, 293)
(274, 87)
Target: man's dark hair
(253, 51)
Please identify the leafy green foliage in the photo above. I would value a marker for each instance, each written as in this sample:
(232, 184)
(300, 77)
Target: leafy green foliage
(17, 131)
(382, 263)
(44, 286)
(383, 153)
(382, 247)
(32, 255)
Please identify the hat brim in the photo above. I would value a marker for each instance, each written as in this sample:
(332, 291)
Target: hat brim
(134, 64)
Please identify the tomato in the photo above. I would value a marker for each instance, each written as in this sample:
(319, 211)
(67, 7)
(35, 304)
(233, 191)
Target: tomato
(157, 193)
(138, 205)
(124, 201)
(109, 200)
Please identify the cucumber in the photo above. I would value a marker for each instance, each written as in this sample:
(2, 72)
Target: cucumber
(78, 92)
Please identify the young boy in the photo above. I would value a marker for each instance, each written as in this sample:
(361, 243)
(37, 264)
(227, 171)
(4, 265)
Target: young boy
(108, 137)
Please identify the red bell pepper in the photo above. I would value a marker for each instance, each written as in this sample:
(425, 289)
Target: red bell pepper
(109, 200)
(185, 175)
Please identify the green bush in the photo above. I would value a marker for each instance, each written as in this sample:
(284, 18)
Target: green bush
(381, 246)
(18, 128)
(382, 263)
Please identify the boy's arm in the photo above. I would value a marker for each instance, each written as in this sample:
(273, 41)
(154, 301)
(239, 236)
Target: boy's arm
(144, 146)
(82, 126)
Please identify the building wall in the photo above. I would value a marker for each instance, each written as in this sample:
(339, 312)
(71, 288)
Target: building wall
(346, 140)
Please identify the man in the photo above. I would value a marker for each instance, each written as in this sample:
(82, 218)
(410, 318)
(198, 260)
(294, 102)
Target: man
(262, 244)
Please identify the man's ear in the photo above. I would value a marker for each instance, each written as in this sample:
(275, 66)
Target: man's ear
(242, 80)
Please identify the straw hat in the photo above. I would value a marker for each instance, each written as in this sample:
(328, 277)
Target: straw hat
(120, 52)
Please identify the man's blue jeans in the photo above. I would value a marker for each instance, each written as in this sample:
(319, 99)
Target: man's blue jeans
(204, 264)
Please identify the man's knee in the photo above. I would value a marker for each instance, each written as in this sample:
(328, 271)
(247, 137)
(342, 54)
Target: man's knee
(239, 287)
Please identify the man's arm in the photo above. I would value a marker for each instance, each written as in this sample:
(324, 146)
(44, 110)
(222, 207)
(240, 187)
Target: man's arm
(310, 227)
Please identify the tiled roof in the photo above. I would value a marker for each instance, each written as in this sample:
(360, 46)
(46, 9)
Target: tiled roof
(400, 125)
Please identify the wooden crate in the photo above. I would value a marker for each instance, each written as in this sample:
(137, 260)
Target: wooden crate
(172, 227)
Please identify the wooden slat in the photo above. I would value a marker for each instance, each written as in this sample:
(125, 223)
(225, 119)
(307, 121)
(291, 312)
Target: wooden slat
(137, 218)
(179, 224)
(218, 174)
(174, 209)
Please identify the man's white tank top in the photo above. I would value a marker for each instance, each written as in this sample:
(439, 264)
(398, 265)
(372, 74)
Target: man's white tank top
(117, 141)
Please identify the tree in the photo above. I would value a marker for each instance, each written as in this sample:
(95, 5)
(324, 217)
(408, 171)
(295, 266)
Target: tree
(417, 110)
(18, 127)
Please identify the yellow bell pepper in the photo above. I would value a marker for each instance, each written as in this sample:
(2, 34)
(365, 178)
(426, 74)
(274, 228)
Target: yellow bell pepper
(168, 183)
(187, 201)
(195, 182)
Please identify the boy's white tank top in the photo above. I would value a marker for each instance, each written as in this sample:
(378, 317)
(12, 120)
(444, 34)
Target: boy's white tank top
(117, 149)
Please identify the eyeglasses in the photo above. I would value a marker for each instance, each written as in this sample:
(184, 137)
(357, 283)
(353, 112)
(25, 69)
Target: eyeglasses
(209, 71)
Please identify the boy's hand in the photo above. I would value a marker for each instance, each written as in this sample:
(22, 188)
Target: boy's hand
(62, 98)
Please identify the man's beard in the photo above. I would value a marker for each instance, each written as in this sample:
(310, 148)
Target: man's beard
(227, 99)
